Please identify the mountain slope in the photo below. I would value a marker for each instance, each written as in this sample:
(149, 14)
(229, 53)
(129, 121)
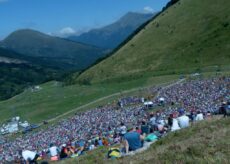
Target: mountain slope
(188, 36)
(16, 74)
(112, 35)
(52, 51)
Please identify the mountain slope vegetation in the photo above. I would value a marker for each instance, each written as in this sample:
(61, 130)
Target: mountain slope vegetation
(111, 36)
(17, 73)
(52, 51)
(189, 36)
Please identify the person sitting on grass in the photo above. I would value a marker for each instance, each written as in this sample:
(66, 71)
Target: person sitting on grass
(29, 156)
(122, 129)
(132, 140)
(138, 130)
(53, 151)
(199, 116)
(183, 119)
(144, 128)
(208, 115)
(64, 152)
(175, 125)
(151, 136)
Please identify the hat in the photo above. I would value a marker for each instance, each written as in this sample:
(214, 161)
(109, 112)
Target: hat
(181, 111)
(129, 127)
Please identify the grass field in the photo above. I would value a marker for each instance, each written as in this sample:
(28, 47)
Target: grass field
(204, 142)
(54, 99)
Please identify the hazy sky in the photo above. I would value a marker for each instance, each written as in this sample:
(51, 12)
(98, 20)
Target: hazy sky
(61, 17)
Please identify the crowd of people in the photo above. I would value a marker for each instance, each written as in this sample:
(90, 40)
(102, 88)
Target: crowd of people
(188, 101)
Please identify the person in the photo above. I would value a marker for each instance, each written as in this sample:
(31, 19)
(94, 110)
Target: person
(183, 120)
(29, 156)
(64, 152)
(199, 116)
(53, 151)
(152, 120)
(123, 129)
(228, 109)
(222, 109)
(208, 115)
(151, 136)
(132, 140)
(144, 128)
(170, 120)
(225, 109)
(100, 142)
(192, 115)
(105, 141)
(138, 130)
(175, 125)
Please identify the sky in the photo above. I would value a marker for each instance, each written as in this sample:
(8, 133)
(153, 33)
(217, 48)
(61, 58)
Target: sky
(66, 17)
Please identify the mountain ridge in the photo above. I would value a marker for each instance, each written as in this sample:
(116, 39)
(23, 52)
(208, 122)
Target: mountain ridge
(65, 53)
(112, 35)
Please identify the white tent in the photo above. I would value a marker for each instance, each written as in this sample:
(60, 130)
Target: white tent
(148, 104)
(162, 99)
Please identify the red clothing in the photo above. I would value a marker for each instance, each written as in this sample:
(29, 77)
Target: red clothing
(139, 131)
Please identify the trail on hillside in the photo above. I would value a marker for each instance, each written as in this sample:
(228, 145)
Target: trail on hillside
(112, 95)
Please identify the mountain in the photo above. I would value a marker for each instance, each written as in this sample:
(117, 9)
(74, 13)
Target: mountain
(18, 73)
(111, 36)
(52, 51)
(189, 36)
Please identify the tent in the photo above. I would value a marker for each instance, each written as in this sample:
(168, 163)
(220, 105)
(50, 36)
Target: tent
(148, 104)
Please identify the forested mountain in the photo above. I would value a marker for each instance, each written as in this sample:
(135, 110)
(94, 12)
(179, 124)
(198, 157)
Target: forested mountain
(17, 72)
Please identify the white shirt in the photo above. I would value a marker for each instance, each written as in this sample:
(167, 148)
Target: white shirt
(183, 121)
(26, 154)
(53, 151)
(199, 117)
(91, 147)
(123, 129)
(175, 125)
(162, 122)
(153, 120)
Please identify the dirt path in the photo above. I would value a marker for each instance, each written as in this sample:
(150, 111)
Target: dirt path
(112, 95)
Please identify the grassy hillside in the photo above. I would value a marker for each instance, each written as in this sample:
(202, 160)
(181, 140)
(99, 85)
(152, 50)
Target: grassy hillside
(205, 142)
(54, 99)
(191, 35)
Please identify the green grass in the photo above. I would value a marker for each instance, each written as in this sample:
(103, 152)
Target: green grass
(190, 36)
(204, 142)
(53, 99)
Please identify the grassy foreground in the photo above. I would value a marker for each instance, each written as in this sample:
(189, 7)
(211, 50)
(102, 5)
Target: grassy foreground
(204, 142)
